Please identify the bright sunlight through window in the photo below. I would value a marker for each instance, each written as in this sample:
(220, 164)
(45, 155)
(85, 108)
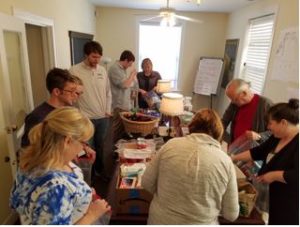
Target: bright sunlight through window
(162, 46)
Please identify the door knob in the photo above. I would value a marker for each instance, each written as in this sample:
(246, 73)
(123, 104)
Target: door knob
(6, 159)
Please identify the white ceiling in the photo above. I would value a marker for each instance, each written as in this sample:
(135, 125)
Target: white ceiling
(180, 5)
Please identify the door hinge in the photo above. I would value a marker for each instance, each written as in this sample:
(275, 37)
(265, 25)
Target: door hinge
(11, 129)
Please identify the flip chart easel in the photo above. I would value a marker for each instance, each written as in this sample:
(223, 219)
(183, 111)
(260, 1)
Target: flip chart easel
(208, 77)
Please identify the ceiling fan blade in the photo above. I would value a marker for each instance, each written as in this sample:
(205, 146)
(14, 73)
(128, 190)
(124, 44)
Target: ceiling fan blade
(151, 18)
(188, 19)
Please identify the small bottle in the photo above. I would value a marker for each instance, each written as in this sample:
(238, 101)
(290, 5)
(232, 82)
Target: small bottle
(188, 104)
(141, 143)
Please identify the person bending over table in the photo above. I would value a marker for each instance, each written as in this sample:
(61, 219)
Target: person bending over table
(280, 170)
(49, 188)
(246, 112)
(192, 180)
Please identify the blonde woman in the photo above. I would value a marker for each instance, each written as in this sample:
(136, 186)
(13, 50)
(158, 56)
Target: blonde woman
(192, 180)
(49, 188)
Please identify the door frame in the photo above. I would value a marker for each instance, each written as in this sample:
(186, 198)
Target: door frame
(10, 23)
(48, 36)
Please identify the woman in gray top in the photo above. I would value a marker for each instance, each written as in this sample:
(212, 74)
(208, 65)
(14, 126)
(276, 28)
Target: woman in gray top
(192, 180)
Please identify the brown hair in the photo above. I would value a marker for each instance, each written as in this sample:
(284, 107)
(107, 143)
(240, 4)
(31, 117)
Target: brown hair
(92, 47)
(127, 55)
(145, 61)
(207, 121)
(58, 78)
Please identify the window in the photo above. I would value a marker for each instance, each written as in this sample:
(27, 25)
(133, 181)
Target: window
(162, 45)
(77, 41)
(259, 44)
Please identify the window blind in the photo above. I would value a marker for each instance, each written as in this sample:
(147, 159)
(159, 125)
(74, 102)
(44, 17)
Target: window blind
(260, 37)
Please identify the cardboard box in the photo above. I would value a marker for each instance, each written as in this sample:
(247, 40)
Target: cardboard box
(132, 148)
(132, 201)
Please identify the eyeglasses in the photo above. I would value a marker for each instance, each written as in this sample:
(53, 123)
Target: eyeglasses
(85, 144)
(73, 92)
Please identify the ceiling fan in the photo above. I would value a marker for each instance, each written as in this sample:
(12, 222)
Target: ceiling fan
(169, 16)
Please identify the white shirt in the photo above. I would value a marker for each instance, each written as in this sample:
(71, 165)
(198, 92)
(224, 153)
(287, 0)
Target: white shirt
(96, 98)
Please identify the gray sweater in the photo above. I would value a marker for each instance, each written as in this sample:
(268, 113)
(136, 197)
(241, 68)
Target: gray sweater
(259, 123)
(192, 181)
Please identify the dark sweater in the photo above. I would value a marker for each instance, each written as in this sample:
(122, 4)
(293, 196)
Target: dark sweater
(259, 123)
(35, 117)
(283, 197)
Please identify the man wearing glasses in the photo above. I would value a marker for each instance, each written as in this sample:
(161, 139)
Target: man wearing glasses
(246, 112)
(64, 91)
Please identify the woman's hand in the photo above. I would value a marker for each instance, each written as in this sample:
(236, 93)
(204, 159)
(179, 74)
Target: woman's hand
(244, 156)
(96, 209)
(270, 177)
(252, 135)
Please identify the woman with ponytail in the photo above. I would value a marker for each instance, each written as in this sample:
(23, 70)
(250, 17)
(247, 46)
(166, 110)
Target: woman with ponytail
(280, 156)
(49, 188)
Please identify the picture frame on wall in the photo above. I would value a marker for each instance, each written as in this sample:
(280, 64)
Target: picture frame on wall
(77, 41)
(231, 48)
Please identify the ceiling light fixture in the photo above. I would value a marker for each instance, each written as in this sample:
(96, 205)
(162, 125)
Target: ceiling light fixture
(169, 16)
(168, 19)
(198, 2)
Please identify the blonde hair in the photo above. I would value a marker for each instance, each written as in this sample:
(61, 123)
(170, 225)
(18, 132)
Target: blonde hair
(47, 139)
(207, 121)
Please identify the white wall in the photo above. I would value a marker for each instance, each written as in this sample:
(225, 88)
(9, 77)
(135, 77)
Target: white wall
(287, 13)
(117, 30)
(75, 15)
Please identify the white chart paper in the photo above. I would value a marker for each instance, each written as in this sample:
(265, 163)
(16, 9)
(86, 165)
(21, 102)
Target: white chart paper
(208, 76)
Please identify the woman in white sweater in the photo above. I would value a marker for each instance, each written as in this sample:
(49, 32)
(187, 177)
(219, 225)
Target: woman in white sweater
(192, 180)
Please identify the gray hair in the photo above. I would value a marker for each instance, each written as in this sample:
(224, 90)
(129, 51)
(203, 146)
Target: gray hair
(240, 85)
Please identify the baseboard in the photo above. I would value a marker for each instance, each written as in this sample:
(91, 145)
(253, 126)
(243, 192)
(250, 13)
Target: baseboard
(11, 219)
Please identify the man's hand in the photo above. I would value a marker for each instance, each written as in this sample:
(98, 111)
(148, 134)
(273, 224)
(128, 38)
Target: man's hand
(108, 115)
(133, 72)
(143, 92)
(90, 153)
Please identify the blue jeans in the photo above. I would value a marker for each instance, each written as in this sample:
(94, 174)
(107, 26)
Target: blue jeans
(97, 141)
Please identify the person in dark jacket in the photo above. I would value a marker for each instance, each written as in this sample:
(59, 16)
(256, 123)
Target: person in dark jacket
(246, 113)
(147, 81)
(62, 87)
(280, 156)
